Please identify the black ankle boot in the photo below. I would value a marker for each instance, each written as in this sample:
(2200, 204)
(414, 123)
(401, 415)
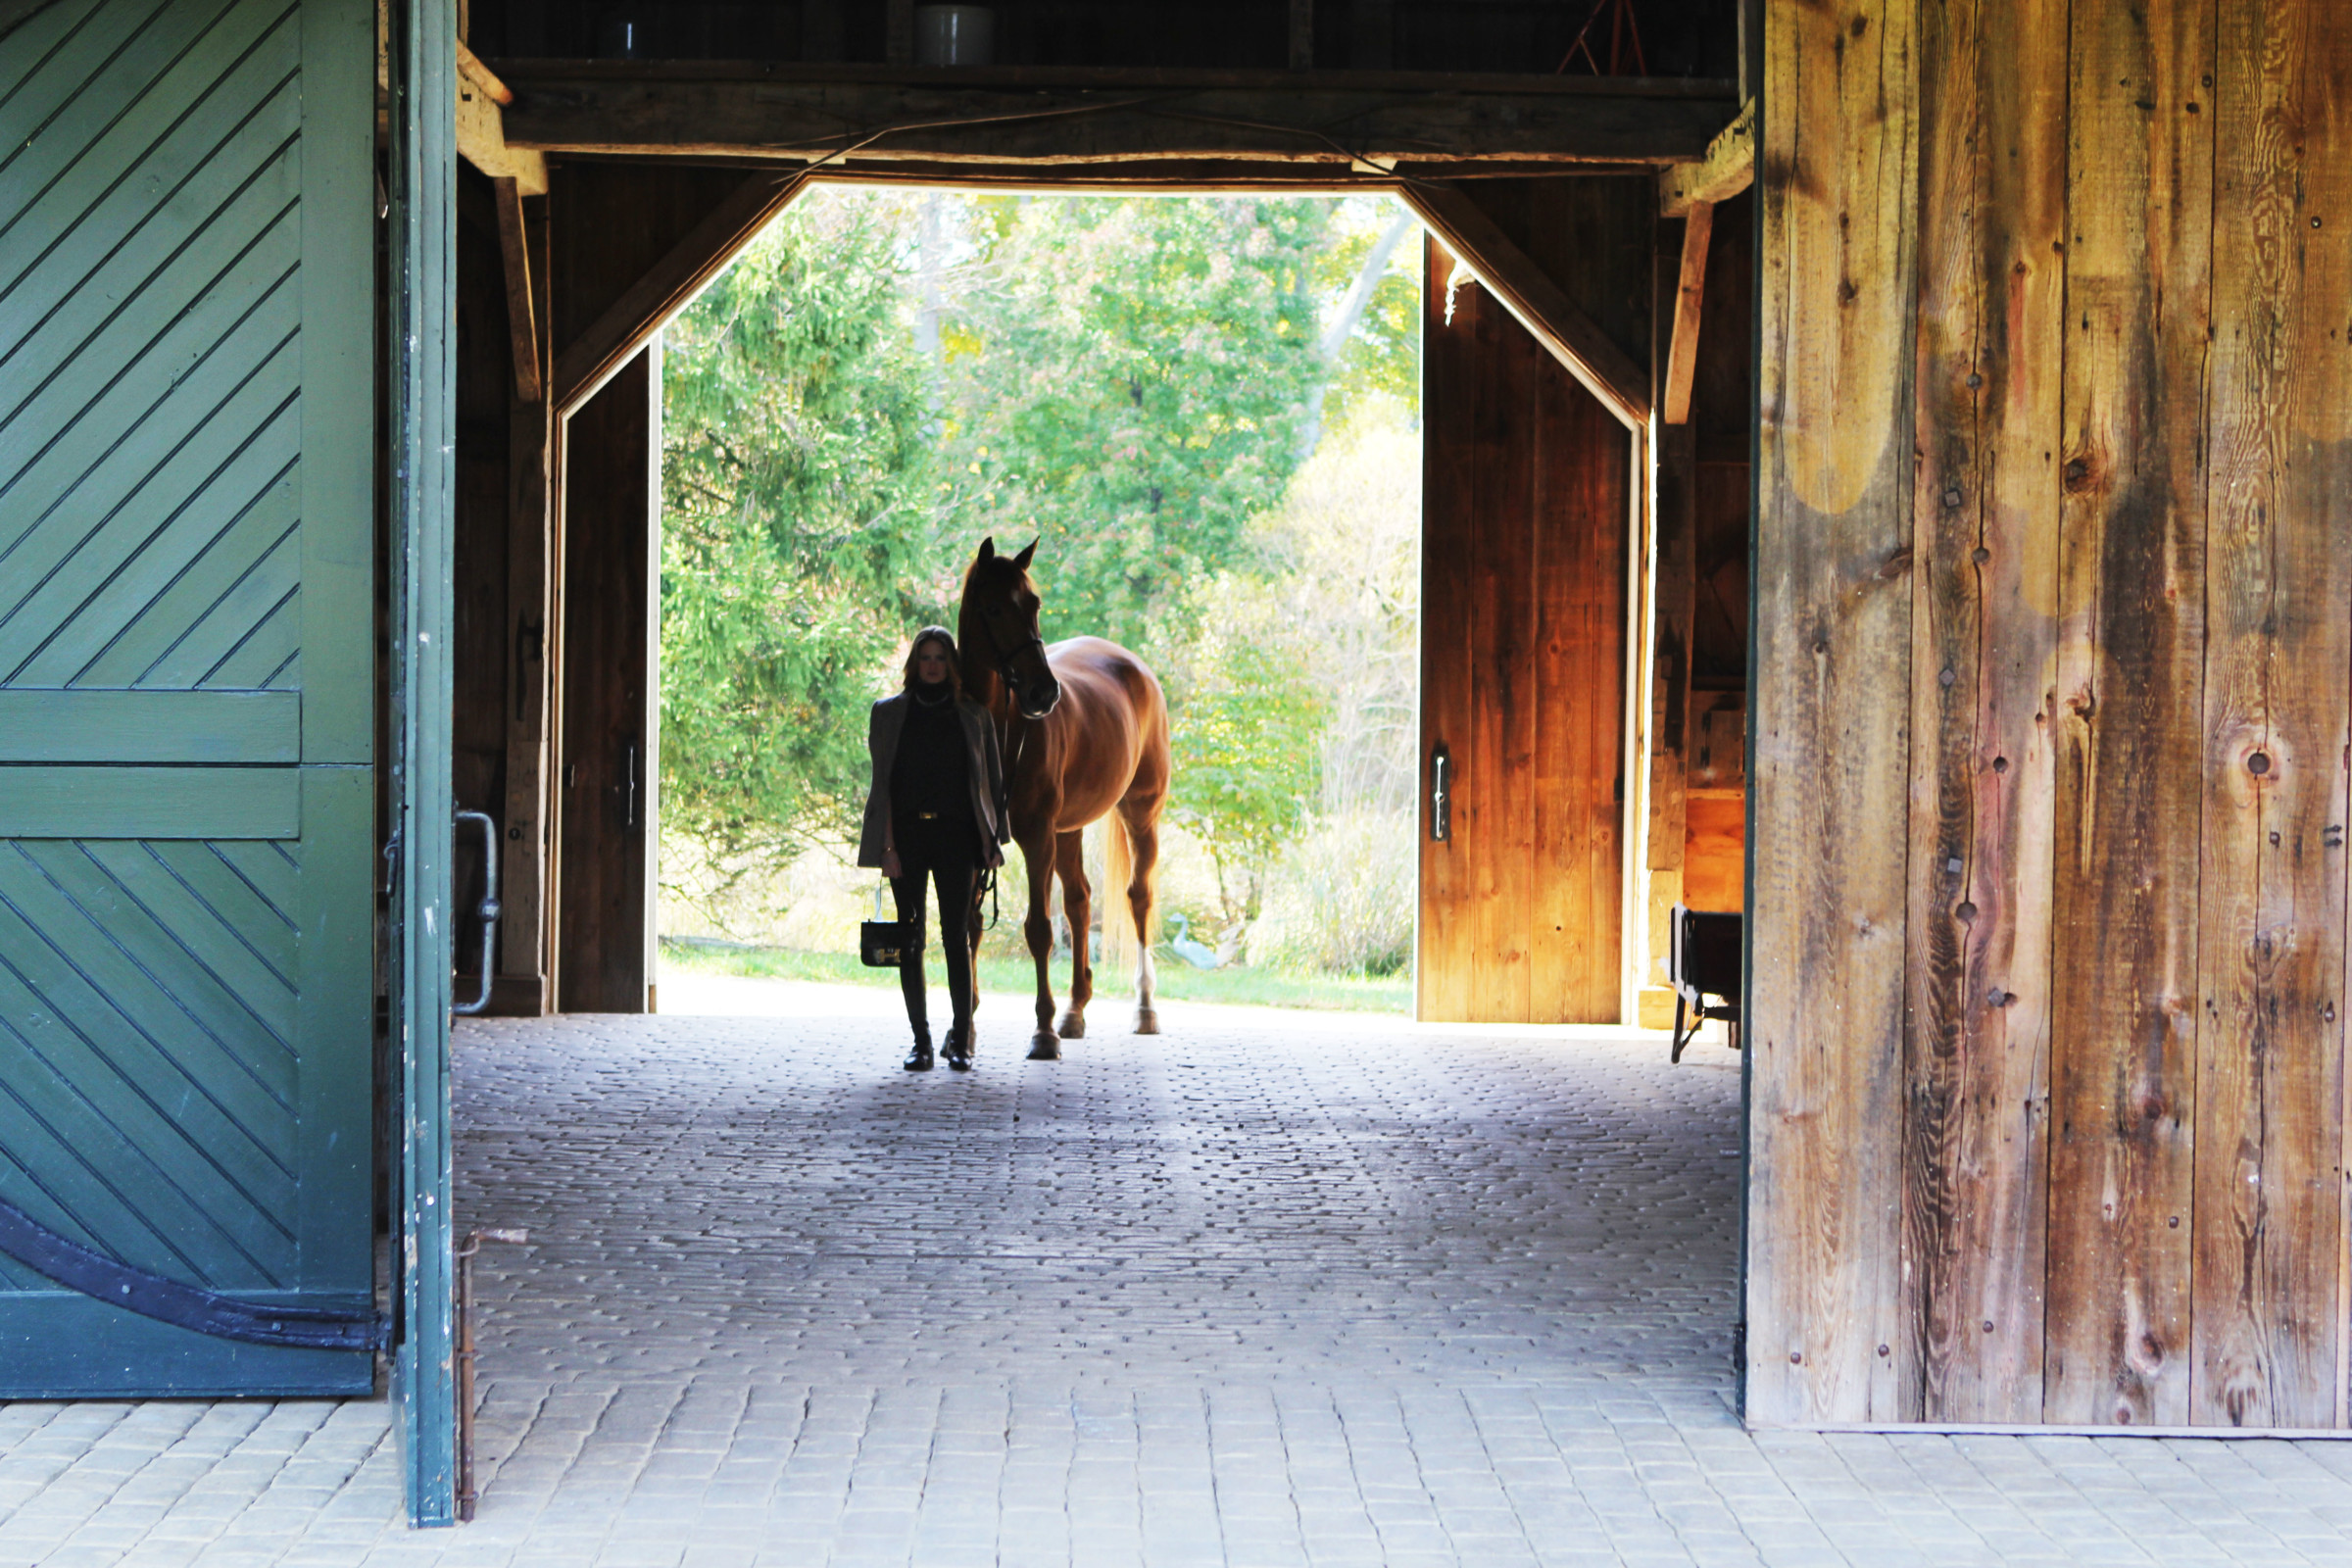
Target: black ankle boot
(919, 1058)
(958, 1047)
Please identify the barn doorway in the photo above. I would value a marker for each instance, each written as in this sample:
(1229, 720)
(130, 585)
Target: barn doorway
(1206, 411)
(1546, 782)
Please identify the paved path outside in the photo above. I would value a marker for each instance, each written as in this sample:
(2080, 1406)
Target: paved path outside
(1267, 1290)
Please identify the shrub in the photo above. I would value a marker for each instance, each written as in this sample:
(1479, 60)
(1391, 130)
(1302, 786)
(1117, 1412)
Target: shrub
(1342, 898)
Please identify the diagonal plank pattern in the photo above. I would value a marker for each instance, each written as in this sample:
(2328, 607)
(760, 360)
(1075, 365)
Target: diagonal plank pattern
(184, 809)
(150, 355)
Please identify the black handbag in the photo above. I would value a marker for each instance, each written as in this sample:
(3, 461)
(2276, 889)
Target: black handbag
(887, 943)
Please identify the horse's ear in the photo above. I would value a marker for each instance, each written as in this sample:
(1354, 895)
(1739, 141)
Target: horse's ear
(988, 549)
(1025, 557)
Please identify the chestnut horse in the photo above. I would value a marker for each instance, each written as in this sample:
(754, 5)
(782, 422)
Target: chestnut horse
(1085, 732)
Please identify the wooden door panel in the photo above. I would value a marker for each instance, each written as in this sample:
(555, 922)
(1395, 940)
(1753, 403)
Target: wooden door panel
(187, 818)
(1523, 676)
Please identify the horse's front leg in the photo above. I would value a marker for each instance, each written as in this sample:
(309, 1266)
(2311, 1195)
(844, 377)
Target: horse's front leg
(1069, 862)
(1038, 855)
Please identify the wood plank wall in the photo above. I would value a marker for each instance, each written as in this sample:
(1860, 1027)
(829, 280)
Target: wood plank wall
(2053, 698)
(1522, 674)
(603, 783)
(479, 698)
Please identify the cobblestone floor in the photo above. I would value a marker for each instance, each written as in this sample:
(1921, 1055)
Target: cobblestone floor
(1267, 1290)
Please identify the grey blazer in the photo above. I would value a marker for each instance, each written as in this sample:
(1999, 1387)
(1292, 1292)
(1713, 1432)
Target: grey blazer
(987, 773)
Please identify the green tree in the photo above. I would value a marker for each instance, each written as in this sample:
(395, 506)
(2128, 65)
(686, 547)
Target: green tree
(1126, 377)
(801, 527)
(1247, 753)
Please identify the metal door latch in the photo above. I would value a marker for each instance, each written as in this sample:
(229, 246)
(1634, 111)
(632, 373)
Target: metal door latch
(1441, 793)
(485, 912)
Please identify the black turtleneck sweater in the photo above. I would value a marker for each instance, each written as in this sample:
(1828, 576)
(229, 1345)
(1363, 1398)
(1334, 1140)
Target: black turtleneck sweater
(932, 772)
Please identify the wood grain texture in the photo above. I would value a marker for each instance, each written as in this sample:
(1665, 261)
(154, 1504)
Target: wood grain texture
(1497, 812)
(522, 327)
(2267, 1302)
(1689, 299)
(530, 586)
(1728, 167)
(1992, 275)
(1075, 119)
(607, 713)
(1576, 568)
(1674, 584)
(2132, 591)
(1448, 398)
(1523, 633)
(1832, 601)
(1534, 296)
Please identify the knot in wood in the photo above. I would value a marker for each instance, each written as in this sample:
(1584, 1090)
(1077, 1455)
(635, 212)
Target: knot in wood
(2078, 473)
(2259, 763)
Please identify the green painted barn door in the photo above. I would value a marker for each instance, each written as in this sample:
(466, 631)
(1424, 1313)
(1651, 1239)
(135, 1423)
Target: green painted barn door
(186, 676)
(421, 269)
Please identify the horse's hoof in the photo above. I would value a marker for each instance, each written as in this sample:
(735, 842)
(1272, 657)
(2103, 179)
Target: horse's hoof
(1044, 1045)
(1071, 1027)
(1146, 1020)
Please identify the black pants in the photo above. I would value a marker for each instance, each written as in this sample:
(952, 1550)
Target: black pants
(946, 850)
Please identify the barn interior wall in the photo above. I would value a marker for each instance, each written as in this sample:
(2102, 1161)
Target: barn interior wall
(1694, 846)
(2054, 651)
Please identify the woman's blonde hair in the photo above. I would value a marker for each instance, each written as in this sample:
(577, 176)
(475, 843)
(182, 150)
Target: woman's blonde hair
(946, 641)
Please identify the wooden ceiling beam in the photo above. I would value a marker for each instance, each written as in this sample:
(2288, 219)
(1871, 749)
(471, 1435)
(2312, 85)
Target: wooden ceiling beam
(1537, 303)
(651, 303)
(1061, 119)
(1728, 167)
(481, 128)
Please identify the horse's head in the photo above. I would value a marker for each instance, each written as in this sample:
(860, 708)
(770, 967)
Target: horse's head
(998, 627)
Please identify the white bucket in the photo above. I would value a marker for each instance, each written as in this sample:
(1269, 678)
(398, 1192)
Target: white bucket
(954, 35)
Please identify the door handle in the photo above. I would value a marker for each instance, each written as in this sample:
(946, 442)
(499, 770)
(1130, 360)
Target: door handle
(485, 912)
(1441, 793)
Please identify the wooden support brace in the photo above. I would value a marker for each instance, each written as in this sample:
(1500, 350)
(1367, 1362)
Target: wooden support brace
(1537, 303)
(649, 305)
(1682, 350)
(481, 128)
(1303, 35)
(522, 327)
(1728, 167)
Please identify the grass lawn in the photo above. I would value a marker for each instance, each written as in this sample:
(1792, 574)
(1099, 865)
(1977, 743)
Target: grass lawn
(1244, 986)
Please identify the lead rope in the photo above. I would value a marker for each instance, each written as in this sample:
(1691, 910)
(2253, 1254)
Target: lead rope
(988, 876)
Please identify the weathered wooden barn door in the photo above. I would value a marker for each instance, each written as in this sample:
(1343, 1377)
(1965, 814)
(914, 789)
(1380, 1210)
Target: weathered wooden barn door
(1523, 633)
(2053, 687)
(186, 696)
